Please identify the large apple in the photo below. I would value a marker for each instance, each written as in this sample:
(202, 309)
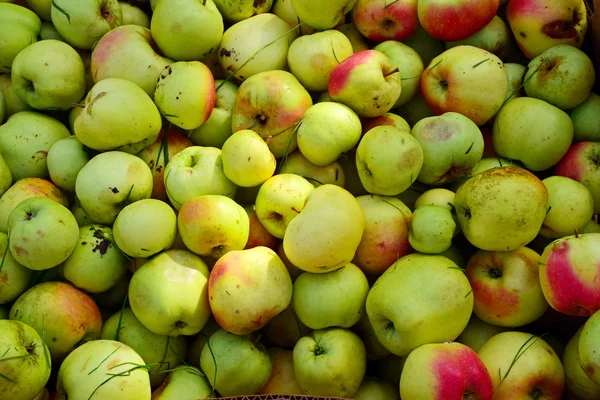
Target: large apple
(380, 21)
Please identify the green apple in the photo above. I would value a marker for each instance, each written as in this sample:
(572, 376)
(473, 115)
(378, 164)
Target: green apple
(427, 46)
(495, 38)
(160, 352)
(200, 28)
(283, 377)
(373, 388)
(65, 316)
(330, 362)
(516, 73)
(96, 265)
(563, 76)
(321, 16)
(84, 22)
(133, 15)
(284, 10)
(164, 302)
(258, 235)
(415, 110)
(19, 28)
(4, 312)
(48, 31)
(236, 11)
(588, 348)
(325, 235)
(311, 58)
(327, 130)
(25, 364)
(247, 160)
(145, 228)
(585, 119)
(431, 230)
(388, 160)
(108, 181)
(65, 159)
(336, 298)
(501, 209)
(14, 278)
(235, 365)
(483, 165)
(196, 343)
(42, 233)
(196, 171)
(2, 108)
(279, 200)
(115, 113)
(477, 332)
(577, 382)
(104, 369)
(183, 383)
(128, 52)
(591, 227)
(357, 40)
(297, 163)
(420, 299)
(244, 53)
(13, 102)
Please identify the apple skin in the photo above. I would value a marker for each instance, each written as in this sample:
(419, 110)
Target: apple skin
(445, 371)
(285, 329)
(379, 21)
(537, 372)
(235, 11)
(387, 119)
(585, 119)
(495, 37)
(297, 163)
(284, 10)
(27, 371)
(432, 229)
(283, 377)
(467, 80)
(580, 164)
(516, 73)
(247, 288)
(455, 20)
(64, 315)
(540, 24)
(20, 27)
(577, 382)
(133, 15)
(588, 348)
(258, 235)
(14, 278)
(183, 383)
(373, 388)
(65, 159)
(322, 16)
(247, 160)
(477, 332)
(506, 287)
(364, 329)
(371, 75)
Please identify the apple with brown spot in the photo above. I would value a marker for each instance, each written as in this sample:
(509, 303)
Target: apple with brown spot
(381, 20)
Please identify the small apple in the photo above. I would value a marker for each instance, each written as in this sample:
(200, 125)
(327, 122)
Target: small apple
(133, 15)
(283, 377)
(379, 20)
(580, 163)
(247, 160)
(585, 119)
(241, 10)
(431, 230)
(183, 383)
(65, 159)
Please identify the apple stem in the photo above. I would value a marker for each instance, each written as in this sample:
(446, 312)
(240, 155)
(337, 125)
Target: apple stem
(78, 105)
(576, 233)
(391, 72)
(98, 97)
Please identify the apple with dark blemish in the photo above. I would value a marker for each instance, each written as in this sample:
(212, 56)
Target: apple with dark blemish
(541, 24)
(247, 288)
(581, 163)
(259, 236)
(444, 371)
(380, 20)
(506, 287)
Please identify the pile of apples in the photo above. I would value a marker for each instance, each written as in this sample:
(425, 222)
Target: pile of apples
(365, 199)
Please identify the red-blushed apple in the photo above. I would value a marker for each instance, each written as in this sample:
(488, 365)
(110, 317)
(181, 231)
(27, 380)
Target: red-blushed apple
(495, 37)
(467, 80)
(368, 82)
(540, 24)
(569, 274)
(456, 19)
(506, 287)
(581, 164)
(444, 371)
(259, 236)
(380, 20)
(283, 378)
(389, 118)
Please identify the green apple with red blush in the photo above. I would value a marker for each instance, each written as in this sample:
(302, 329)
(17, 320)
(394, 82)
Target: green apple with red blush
(495, 37)
(380, 21)
(580, 163)
(389, 119)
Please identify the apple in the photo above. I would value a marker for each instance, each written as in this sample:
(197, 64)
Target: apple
(66, 317)
(183, 383)
(580, 163)
(196, 343)
(516, 73)
(495, 38)
(538, 24)
(376, 388)
(166, 304)
(19, 28)
(258, 235)
(387, 119)
(297, 163)
(506, 287)
(128, 52)
(427, 46)
(48, 31)
(241, 10)
(400, 303)
(477, 332)
(82, 23)
(292, 269)
(416, 109)
(353, 34)
(501, 209)
(283, 377)
(364, 329)
(284, 10)
(585, 119)
(322, 16)
(445, 371)
(25, 364)
(13, 103)
(285, 329)
(379, 20)
(247, 160)
(133, 15)
(523, 366)
(467, 80)
(577, 382)
(367, 75)
(235, 365)
(330, 362)
(14, 277)
(431, 230)
(66, 157)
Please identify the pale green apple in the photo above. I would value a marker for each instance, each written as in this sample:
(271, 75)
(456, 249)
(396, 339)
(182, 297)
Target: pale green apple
(133, 15)
(217, 128)
(196, 171)
(432, 229)
(200, 28)
(483, 165)
(184, 383)
(311, 58)
(563, 76)
(25, 364)
(353, 34)
(243, 53)
(48, 31)
(327, 130)
(352, 181)
(591, 227)
(452, 145)
(410, 65)
(128, 52)
(415, 110)
(160, 352)
(279, 200)
(65, 159)
(570, 207)
(285, 329)
(330, 362)
(589, 356)
(333, 299)
(83, 23)
(516, 73)
(297, 163)
(105, 369)
(212, 225)
(420, 299)
(586, 120)
(388, 160)
(14, 278)
(455, 254)
(477, 332)
(247, 160)
(238, 10)
(14, 103)
(145, 228)
(115, 113)
(495, 38)
(437, 196)
(42, 233)
(19, 27)
(577, 382)
(325, 235)
(235, 365)
(164, 301)
(373, 388)
(108, 181)
(426, 45)
(25, 140)
(96, 264)
(321, 16)
(284, 10)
